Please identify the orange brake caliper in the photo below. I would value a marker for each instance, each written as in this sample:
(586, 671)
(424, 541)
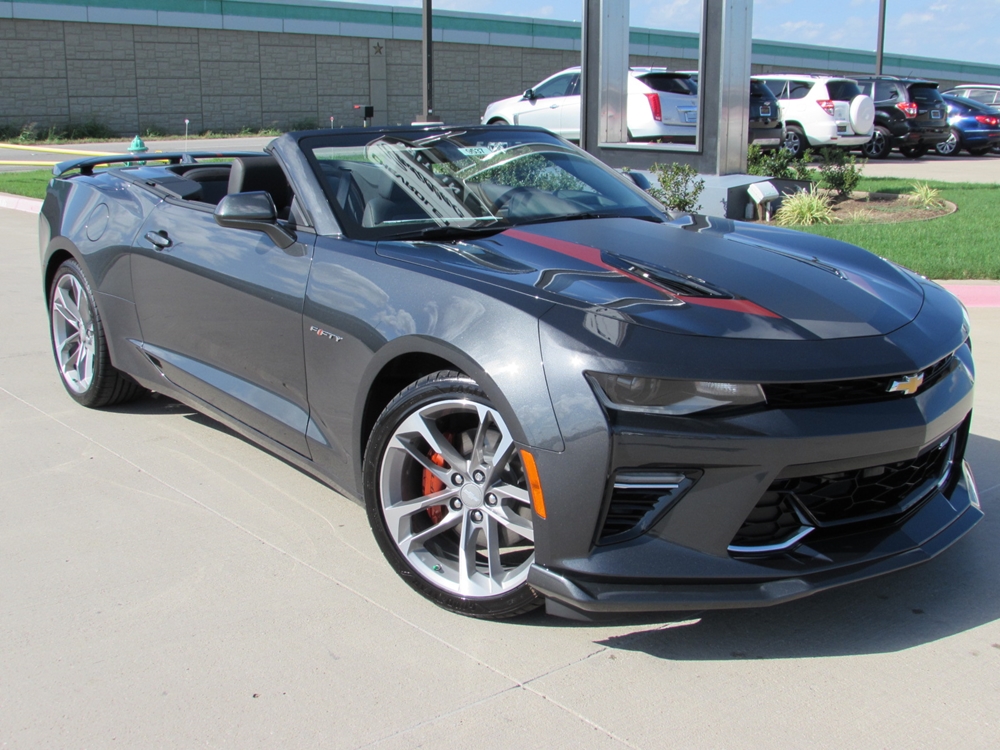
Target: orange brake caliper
(431, 485)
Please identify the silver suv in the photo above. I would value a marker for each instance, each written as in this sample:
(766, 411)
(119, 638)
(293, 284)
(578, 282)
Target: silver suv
(821, 111)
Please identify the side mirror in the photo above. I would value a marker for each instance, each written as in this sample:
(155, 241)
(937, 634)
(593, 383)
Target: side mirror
(529, 94)
(254, 211)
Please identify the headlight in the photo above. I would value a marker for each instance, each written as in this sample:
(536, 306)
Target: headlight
(659, 396)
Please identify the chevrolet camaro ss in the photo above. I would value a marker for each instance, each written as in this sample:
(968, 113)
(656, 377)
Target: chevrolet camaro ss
(543, 386)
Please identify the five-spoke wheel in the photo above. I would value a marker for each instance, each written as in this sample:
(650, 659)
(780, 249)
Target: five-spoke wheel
(448, 499)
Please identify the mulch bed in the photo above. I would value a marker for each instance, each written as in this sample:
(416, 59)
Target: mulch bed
(884, 208)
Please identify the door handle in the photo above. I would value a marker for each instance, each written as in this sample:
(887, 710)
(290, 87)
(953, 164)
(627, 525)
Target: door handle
(159, 239)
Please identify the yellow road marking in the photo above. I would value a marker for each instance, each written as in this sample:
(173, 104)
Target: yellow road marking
(53, 150)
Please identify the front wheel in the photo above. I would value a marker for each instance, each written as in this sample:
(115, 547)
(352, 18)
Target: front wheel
(448, 500)
(79, 345)
(498, 121)
(950, 147)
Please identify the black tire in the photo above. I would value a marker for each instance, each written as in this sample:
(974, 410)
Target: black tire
(795, 141)
(79, 344)
(913, 152)
(979, 151)
(498, 121)
(428, 433)
(880, 146)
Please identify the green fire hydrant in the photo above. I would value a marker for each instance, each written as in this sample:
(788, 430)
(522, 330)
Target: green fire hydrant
(137, 147)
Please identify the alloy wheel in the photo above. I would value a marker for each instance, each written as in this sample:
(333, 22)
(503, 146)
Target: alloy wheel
(73, 333)
(455, 501)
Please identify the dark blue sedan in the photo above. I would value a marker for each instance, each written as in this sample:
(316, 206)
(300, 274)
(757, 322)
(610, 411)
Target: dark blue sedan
(975, 127)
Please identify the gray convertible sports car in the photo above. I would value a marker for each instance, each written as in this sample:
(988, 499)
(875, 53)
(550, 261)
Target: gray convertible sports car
(543, 386)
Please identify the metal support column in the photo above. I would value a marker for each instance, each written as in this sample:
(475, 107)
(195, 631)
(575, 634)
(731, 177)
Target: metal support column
(724, 89)
(427, 114)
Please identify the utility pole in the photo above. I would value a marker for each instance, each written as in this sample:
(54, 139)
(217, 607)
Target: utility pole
(881, 37)
(427, 114)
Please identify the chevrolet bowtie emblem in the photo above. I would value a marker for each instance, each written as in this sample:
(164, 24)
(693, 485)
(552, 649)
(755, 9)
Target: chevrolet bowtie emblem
(908, 385)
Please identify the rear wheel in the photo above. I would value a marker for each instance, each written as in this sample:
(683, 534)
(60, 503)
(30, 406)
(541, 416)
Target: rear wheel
(79, 344)
(950, 147)
(498, 121)
(913, 152)
(795, 141)
(447, 498)
(879, 146)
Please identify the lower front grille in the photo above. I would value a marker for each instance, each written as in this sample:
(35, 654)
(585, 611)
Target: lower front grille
(793, 508)
(846, 496)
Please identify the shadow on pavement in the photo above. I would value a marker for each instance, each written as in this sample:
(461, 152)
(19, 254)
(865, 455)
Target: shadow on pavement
(950, 594)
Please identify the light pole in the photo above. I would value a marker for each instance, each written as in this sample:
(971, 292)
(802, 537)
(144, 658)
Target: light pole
(881, 37)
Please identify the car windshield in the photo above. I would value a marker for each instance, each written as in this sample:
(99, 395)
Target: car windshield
(414, 184)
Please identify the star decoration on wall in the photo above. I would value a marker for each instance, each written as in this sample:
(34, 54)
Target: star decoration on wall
(377, 49)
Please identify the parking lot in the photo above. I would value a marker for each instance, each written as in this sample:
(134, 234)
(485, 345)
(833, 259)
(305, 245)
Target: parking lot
(165, 584)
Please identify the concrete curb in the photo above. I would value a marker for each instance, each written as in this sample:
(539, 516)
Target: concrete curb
(20, 203)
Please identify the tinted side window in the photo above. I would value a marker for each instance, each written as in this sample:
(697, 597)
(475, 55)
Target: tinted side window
(555, 87)
(884, 92)
(842, 91)
(799, 89)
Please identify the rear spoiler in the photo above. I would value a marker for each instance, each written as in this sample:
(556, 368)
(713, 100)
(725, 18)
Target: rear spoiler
(86, 165)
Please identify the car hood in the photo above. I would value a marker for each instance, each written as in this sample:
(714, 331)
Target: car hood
(697, 275)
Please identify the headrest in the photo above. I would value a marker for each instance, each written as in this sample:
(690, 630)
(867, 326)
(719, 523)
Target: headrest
(250, 173)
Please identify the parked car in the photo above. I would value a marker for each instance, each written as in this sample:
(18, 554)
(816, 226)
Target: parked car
(909, 115)
(540, 384)
(821, 111)
(984, 93)
(973, 126)
(662, 105)
(765, 127)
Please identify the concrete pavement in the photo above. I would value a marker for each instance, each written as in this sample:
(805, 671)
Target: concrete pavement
(163, 583)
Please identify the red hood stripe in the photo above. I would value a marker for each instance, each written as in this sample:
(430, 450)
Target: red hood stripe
(592, 256)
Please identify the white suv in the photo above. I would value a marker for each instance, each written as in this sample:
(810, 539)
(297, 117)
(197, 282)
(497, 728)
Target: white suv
(661, 104)
(821, 111)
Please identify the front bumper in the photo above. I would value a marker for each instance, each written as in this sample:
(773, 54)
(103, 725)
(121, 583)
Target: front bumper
(940, 522)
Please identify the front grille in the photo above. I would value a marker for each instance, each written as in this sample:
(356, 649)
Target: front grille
(842, 392)
(638, 500)
(846, 496)
(793, 508)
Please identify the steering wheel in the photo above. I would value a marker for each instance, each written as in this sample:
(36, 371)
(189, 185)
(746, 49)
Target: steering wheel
(501, 206)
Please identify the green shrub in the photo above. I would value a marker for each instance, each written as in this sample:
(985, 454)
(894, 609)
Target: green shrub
(839, 171)
(803, 209)
(679, 188)
(779, 164)
(925, 196)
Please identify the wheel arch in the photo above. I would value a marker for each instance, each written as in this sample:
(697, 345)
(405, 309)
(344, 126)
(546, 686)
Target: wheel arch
(57, 254)
(404, 360)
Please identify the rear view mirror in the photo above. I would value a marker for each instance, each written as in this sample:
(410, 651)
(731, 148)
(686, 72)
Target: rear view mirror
(253, 211)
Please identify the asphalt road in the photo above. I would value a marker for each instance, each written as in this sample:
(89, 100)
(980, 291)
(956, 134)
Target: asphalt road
(163, 583)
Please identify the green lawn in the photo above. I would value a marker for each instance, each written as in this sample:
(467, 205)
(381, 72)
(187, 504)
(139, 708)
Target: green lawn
(963, 245)
(31, 184)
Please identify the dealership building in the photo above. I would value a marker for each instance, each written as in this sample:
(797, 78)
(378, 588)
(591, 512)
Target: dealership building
(138, 65)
